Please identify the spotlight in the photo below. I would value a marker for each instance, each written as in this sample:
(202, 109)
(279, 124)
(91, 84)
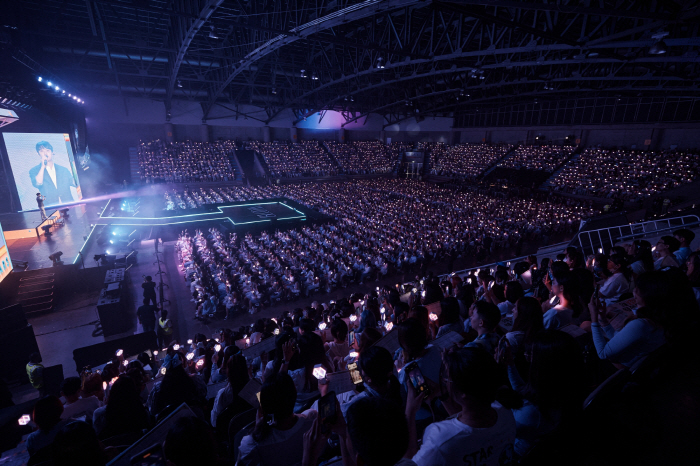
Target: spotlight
(49, 84)
(75, 98)
(658, 48)
(70, 95)
(40, 79)
(303, 73)
(64, 91)
(114, 233)
(56, 257)
(179, 84)
(57, 88)
(111, 241)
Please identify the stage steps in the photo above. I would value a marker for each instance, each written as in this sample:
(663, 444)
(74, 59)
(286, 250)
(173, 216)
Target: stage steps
(37, 293)
(134, 165)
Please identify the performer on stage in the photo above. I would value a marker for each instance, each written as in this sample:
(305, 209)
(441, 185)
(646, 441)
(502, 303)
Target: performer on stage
(40, 202)
(52, 180)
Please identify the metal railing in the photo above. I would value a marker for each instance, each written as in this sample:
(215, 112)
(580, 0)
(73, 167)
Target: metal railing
(594, 240)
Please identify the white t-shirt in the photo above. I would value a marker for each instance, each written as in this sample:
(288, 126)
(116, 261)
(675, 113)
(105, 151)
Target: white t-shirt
(280, 447)
(450, 442)
(82, 407)
(506, 307)
(557, 317)
(614, 287)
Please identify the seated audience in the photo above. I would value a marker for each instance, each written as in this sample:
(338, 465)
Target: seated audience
(47, 417)
(278, 435)
(479, 430)
(642, 335)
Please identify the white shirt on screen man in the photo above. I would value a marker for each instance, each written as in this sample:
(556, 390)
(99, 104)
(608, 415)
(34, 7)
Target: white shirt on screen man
(51, 170)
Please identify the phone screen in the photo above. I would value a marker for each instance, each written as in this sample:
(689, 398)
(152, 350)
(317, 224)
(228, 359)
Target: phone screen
(355, 373)
(327, 410)
(417, 379)
(351, 338)
(152, 457)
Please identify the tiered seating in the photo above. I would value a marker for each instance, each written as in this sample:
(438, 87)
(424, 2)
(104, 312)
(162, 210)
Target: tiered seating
(186, 161)
(468, 160)
(545, 158)
(629, 175)
(295, 159)
(362, 157)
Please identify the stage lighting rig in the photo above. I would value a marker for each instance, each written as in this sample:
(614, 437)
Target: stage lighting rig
(56, 257)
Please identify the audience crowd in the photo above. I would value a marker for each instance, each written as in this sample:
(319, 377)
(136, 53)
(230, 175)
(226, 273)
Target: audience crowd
(366, 157)
(181, 162)
(498, 367)
(289, 160)
(630, 175)
(467, 160)
(545, 158)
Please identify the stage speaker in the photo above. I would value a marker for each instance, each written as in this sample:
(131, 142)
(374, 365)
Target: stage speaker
(100, 353)
(22, 343)
(12, 318)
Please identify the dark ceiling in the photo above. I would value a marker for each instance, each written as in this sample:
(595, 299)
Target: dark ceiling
(392, 57)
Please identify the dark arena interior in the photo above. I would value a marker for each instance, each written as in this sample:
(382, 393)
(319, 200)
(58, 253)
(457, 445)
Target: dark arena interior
(379, 232)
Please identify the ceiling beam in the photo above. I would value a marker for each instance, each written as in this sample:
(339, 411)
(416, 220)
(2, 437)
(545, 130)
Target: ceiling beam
(346, 15)
(184, 31)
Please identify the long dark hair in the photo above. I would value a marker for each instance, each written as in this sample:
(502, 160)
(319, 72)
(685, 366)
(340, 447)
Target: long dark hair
(412, 338)
(176, 388)
(655, 290)
(555, 372)
(237, 372)
(643, 254)
(529, 320)
(311, 352)
(125, 412)
(568, 281)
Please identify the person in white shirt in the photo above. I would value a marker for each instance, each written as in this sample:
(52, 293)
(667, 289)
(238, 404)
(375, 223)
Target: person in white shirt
(665, 248)
(75, 406)
(629, 346)
(278, 435)
(237, 374)
(564, 287)
(479, 430)
(616, 284)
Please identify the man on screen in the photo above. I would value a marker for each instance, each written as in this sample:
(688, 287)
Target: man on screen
(52, 180)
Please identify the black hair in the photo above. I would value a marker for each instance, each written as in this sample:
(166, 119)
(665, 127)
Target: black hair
(568, 281)
(449, 311)
(237, 372)
(182, 435)
(125, 412)
(71, 385)
(412, 338)
(555, 372)
(672, 243)
(514, 291)
(489, 313)
(529, 319)
(47, 412)
(378, 430)
(655, 290)
(277, 398)
(43, 144)
(686, 234)
(339, 329)
(378, 364)
(307, 325)
(474, 373)
(643, 254)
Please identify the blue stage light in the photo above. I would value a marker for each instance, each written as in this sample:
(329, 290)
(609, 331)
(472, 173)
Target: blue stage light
(40, 79)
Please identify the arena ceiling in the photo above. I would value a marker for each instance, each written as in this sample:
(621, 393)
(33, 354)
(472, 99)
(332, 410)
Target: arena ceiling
(398, 58)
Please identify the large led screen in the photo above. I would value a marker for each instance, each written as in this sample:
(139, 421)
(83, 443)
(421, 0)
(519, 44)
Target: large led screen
(5, 262)
(43, 163)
